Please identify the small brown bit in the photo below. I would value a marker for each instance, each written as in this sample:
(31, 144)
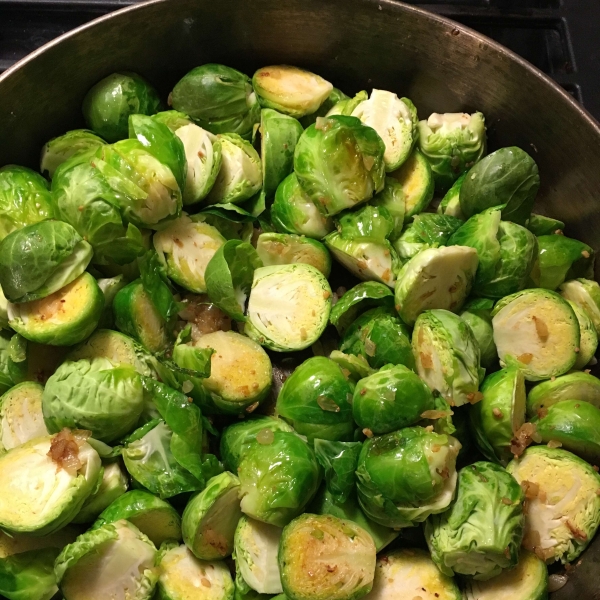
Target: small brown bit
(252, 407)
(331, 568)
(436, 448)
(386, 275)
(205, 582)
(362, 264)
(596, 468)
(367, 432)
(454, 287)
(80, 208)
(178, 242)
(474, 397)
(542, 412)
(326, 294)
(64, 449)
(443, 473)
(363, 391)
(217, 541)
(506, 501)
(530, 489)
(497, 413)
(577, 533)
(507, 552)
(426, 360)
(429, 428)
(541, 329)
(398, 307)
(370, 347)
(436, 414)
(328, 404)
(585, 254)
(554, 444)
(525, 358)
(559, 232)
(523, 437)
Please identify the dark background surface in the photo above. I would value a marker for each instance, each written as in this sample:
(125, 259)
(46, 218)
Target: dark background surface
(560, 37)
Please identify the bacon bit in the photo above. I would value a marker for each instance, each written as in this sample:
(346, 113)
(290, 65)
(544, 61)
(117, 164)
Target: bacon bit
(64, 449)
(362, 264)
(436, 414)
(497, 413)
(585, 254)
(367, 432)
(542, 412)
(474, 397)
(426, 360)
(331, 568)
(398, 307)
(559, 232)
(530, 489)
(444, 473)
(190, 400)
(541, 329)
(523, 438)
(525, 358)
(252, 407)
(577, 533)
(554, 444)
(200, 154)
(506, 501)
(326, 294)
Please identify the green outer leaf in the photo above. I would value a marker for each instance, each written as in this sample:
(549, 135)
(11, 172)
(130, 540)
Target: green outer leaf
(11, 372)
(157, 286)
(542, 225)
(61, 148)
(29, 575)
(339, 461)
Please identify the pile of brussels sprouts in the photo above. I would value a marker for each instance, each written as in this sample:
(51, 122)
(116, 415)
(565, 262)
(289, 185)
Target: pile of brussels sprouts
(193, 408)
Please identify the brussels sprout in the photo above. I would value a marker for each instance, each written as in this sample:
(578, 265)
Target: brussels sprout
(279, 474)
(211, 517)
(290, 90)
(294, 212)
(436, 278)
(447, 356)
(61, 148)
(46, 482)
(403, 573)
(380, 337)
(355, 367)
(288, 249)
(537, 329)
(390, 399)
(391, 197)
(107, 106)
(477, 314)
(586, 294)
(506, 252)
(480, 534)
(256, 546)
(114, 483)
(346, 106)
(64, 318)
(527, 581)
(29, 575)
(588, 337)
(315, 400)
(391, 117)
(335, 97)
(339, 460)
(339, 163)
(450, 203)
(94, 395)
(173, 119)
(452, 143)
(289, 306)
(581, 386)
(322, 557)
(368, 221)
(240, 176)
(21, 418)
(184, 577)
(416, 178)
(542, 225)
(562, 512)
(40, 259)
(24, 199)
(120, 557)
(407, 475)
(508, 176)
(498, 416)
(561, 258)
(136, 316)
(152, 516)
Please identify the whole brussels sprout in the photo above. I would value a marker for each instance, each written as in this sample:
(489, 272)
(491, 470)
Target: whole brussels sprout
(346, 106)
(452, 143)
(107, 106)
(586, 294)
(477, 314)
(407, 475)
(481, 533)
(339, 163)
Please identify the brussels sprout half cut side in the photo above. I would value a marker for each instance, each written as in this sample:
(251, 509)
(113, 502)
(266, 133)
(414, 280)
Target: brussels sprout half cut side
(289, 306)
(322, 557)
(437, 278)
(586, 294)
(64, 318)
(210, 518)
(287, 249)
(539, 331)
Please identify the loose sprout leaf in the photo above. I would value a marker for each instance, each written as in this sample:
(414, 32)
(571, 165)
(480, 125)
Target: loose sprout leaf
(17, 350)
(339, 461)
(157, 286)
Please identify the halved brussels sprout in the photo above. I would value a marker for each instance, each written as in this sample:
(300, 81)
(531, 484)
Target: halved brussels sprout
(24, 199)
(507, 253)
(346, 106)
(391, 197)
(294, 212)
(107, 106)
(279, 474)
(452, 143)
(577, 385)
(562, 512)
(392, 118)
(114, 483)
(288, 249)
(256, 546)
(481, 533)
(477, 314)
(120, 557)
(355, 367)
(136, 316)
(289, 306)
(527, 581)
(61, 148)
(322, 557)
(508, 176)
(290, 90)
(332, 100)
(315, 400)
(416, 178)
(390, 399)
(187, 245)
(380, 337)
(211, 517)
(21, 418)
(184, 577)
(497, 417)
(537, 329)
(407, 475)
(173, 119)
(436, 278)
(403, 573)
(64, 318)
(46, 482)
(40, 259)
(450, 203)
(240, 176)
(94, 395)
(339, 163)
(447, 356)
(152, 516)
(542, 225)
(588, 337)
(586, 294)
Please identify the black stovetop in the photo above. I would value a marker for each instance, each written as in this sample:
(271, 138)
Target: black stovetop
(560, 37)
